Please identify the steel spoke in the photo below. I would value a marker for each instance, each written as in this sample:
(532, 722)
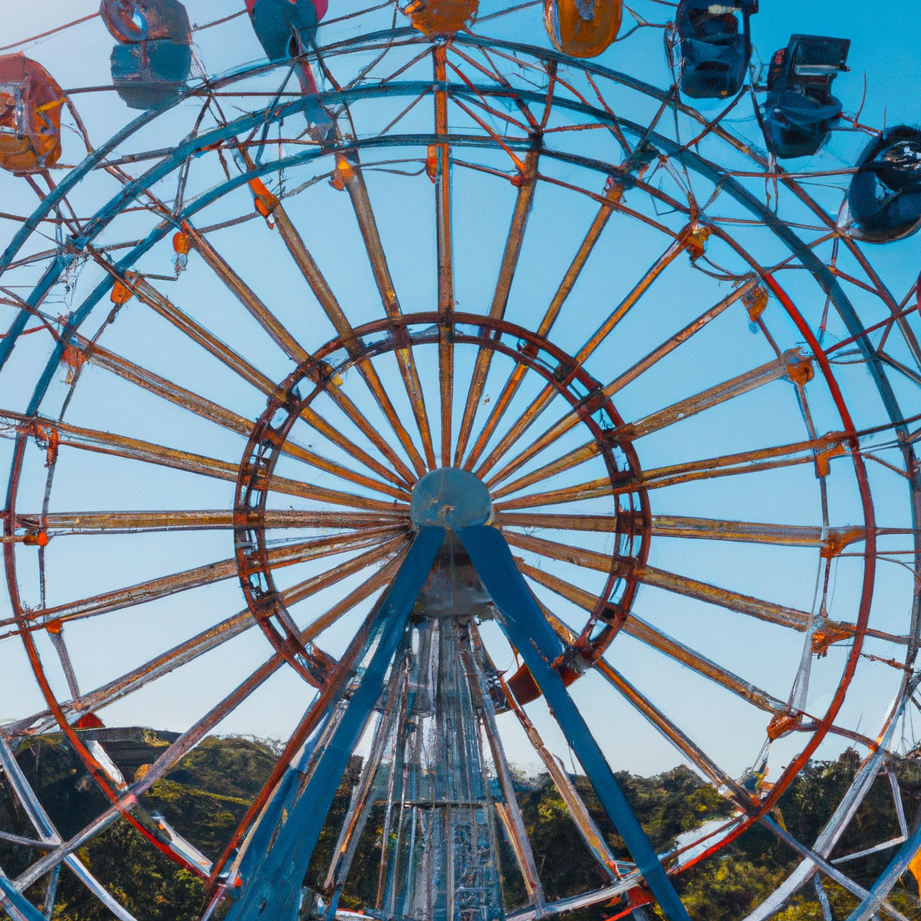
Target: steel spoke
(149, 295)
(247, 297)
(445, 249)
(646, 633)
(572, 418)
(754, 532)
(556, 304)
(211, 639)
(334, 312)
(507, 271)
(135, 449)
(324, 294)
(608, 524)
(693, 752)
(695, 528)
(546, 396)
(787, 364)
(85, 523)
(207, 409)
(291, 348)
(185, 743)
(367, 223)
(689, 588)
(792, 364)
(166, 586)
(817, 451)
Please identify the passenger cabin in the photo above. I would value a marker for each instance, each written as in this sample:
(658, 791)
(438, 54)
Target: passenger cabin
(286, 28)
(714, 47)
(885, 192)
(30, 115)
(154, 55)
(800, 111)
(582, 28)
(441, 17)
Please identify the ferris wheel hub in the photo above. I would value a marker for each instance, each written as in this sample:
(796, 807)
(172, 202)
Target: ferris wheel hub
(450, 498)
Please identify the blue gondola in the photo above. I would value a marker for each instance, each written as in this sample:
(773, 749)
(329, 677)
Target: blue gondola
(285, 28)
(154, 55)
(800, 110)
(885, 193)
(714, 46)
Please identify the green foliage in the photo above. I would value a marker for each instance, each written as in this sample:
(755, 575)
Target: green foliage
(206, 795)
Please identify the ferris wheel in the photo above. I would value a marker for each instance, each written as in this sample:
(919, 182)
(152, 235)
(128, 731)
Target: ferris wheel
(413, 382)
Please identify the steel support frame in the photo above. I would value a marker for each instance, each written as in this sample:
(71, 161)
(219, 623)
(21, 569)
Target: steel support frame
(274, 888)
(528, 630)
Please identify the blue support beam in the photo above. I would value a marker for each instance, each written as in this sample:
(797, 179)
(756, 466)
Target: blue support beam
(272, 890)
(14, 903)
(529, 631)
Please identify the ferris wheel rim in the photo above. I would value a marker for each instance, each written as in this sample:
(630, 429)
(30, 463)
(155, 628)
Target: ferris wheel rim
(359, 145)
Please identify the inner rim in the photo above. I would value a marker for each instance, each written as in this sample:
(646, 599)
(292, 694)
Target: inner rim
(558, 369)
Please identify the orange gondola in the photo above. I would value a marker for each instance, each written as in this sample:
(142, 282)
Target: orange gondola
(30, 115)
(582, 28)
(441, 17)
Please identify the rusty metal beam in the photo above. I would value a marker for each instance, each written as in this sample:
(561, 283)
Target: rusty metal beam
(520, 214)
(165, 586)
(148, 452)
(572, 418)
(367, 223)
(150, 296)
(646, 633)
(389, 553)
(545, 397)
(207, 409)
(84, 523)
(445, 250)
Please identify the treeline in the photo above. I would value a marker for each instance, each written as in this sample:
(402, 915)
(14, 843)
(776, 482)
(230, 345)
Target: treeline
(206, 796)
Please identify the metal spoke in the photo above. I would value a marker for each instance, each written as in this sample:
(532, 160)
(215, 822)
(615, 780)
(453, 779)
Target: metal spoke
(676, 736)
(166, 586)
(693, 752)
(247, 297)
(646, 633)
(149, 295)
(83, 523)
(270, 204)
(546, 396)
(367, 223)
(523, 203)
(207, 409)
(135, 449)
(791, 363)
(607, 524)
(292, 348)
(818, 451)
(214, 637)
(753, 532)
(677, 247)
(580, 816)
(334, 312)
(445, 249)
(573, 416)
(556, 304)
(690, 588)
